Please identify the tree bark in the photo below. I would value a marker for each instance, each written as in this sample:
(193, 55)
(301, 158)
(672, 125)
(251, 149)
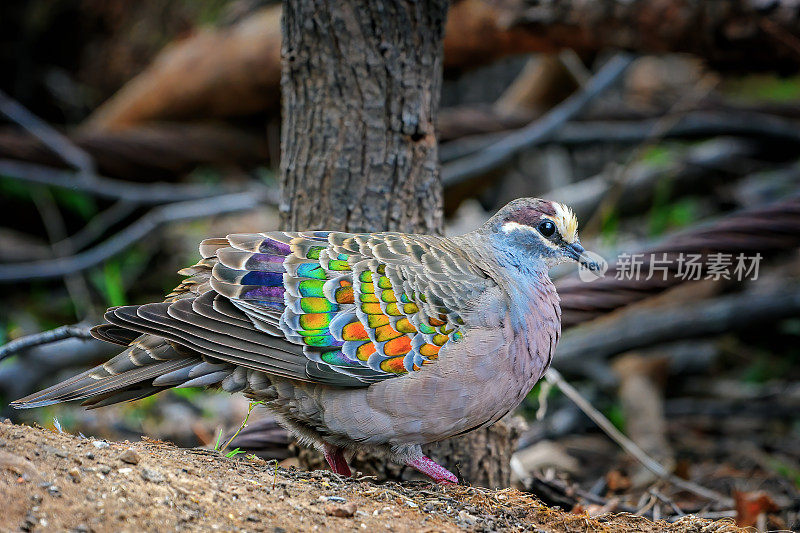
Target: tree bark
(361, 82)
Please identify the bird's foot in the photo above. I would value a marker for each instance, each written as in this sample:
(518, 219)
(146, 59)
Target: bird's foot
(335, 457)
(433, 470)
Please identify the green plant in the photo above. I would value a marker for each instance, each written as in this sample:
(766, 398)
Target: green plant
(218, 443)
(234, 453)
(241, 427)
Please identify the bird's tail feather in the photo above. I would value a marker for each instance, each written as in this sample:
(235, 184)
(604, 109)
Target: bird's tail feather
(127, 376)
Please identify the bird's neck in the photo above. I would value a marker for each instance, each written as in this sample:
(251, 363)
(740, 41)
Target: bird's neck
(503, 262)
(530, 305)
(522, 276)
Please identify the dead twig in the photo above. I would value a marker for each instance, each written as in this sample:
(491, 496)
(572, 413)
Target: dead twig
(139, 193)
(99, 224)
(667, 501)
(39, 365)
(628, 445)
(691, 125)
(45, 337)
(684, 104)
(54, 140)
(62, 246)
(698, 171)
(149, 152)
(135, 232)
(500, 153)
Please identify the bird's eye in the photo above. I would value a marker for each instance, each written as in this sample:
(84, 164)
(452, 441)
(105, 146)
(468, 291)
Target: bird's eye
(547, 228)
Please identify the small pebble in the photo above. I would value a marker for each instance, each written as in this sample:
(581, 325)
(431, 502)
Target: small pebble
(58, 452)
(346, 510)
(152, 475)
(75, 474)
(129, 456)
(100, 444)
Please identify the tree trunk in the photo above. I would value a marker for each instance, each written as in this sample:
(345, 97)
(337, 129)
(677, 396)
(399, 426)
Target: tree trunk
(361, 82)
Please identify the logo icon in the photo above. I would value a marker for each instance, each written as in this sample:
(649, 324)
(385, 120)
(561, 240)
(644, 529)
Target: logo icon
(591, 266)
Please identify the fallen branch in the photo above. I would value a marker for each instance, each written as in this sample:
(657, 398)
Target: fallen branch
(149, 153)
(702, 168)
(140, 193)
(642, 327)
(137, 231)
(693, 125)
(99, 224)
(45, 337)
(57, 142)
(628, 445)
(500, 153)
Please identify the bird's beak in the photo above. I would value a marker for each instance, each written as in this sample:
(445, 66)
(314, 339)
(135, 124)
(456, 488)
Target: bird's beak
(577, 253)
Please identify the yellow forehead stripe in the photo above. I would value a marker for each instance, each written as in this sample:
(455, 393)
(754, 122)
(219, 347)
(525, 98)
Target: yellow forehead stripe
(566, 222)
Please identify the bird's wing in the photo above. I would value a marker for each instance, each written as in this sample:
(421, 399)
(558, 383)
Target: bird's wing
(361, 307)
(345, 310)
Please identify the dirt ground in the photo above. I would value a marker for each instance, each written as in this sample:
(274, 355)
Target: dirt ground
(59, 482)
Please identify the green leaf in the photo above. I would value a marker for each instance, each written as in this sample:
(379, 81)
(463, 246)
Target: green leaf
(234, 453)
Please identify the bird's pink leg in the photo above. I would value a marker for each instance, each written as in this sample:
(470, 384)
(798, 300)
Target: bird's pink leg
(335, 457)
(433, 470)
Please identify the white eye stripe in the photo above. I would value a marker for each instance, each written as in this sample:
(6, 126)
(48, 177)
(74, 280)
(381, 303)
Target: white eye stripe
(511, 226)
(516, 226)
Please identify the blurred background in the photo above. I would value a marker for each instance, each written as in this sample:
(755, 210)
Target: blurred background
(131, 131)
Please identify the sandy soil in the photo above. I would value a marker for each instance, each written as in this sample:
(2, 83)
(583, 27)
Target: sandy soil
(58, 482)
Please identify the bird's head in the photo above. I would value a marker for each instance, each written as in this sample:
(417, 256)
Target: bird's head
(540, 229)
